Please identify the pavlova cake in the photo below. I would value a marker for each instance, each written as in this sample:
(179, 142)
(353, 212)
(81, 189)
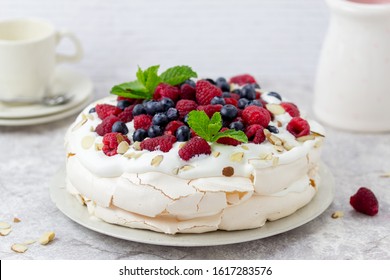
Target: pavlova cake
(174, 153)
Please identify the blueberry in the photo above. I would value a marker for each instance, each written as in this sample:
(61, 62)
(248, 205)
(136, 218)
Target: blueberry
(229, 112)
(242, 103)
(139, 109)
(256, 103)
(153, 107)
(275, 94)
(223, 84)
(172, 114)
(226, 94)
(183, 133)
(160, 119)
(122, 104)
(140, 134)
(256, 85)
(185, 120)
(218, 100)
(237, 125)
(221, 80)
(191, 83)
(238, 91)
(154, 131)
(211, 81)
(249, 92)
(120, 127)
(92, 110)
(167, 103)
(273, 129)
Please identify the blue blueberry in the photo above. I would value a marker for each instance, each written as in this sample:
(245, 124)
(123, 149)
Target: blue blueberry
(140, 134)
(249, 92)
(92, 110)
(237, 125)
(160, 119)
(229, 112)
(190, 82)
(139, 109)
(185, 120)
(242, 103)
(223, 84)
(167, 103)
(183, 133)
(173, 114)
(256, 103)
(218, 100)
(273, 129)
(256, 85)
(122, 104)
(120, 127)
(221, 80)
(211, 81)
(153, 107)
(238, 91)
(154, 131)
(226, 94)
(275, 94)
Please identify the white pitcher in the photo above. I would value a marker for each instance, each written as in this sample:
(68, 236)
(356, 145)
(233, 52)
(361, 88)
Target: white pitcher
(352, 89)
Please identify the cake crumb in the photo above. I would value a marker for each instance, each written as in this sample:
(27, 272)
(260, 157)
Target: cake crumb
(17, 220)
(337, 214)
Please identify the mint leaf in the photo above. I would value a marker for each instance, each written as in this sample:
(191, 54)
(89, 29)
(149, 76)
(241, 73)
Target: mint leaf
(177, 75)
(215, 124)
(151, 78)
(131, 90)
(231, 133)
(199, 122)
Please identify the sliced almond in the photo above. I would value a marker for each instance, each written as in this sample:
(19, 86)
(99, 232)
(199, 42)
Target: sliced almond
(5, 231)
(91, 117)
(279, 123)
(317, 134)
(312, 183)
(275, 161)
(287, 145)
(80, 123)
(175, 171)
(306, 138)
(137, 146)
(19, 248)
(272, 138)
(99, 146)
(252, 178)
(185, 168)
(265, 156)
(228, 171)
(156, 160)
(237, 157)
(70, 155)
(122, 147)
(47, 237)
(4, 225)
(133, 155)
(279, 148)
(337, 214)
(244, 147)
(216, 154)
(16, 220)
(29, 242)
(91, 129)
(385, 175)
(87, 142)
(275, 109)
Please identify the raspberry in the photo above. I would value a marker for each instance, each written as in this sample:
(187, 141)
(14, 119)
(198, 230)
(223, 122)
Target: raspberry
(195, 146)
(243, 79)
(210, 109)
(127, 114)
(184, 106)
(106, 125)
(105, 110)
(142, 121)
(232, 101)
(227, 140)
(172, 127)
(298, 127)
(205, 91)
(256, 115)
(163, 143)
(255, 133)
(235, 96)
(131, 100)
(187, 92)
(291, 108)
(165, 90)
(364, 201)
(111, 141)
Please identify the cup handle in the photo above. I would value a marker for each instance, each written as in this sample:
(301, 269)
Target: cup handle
(77, 55)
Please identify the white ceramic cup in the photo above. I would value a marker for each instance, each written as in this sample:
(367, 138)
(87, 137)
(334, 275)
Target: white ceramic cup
(352, 89)
(28, 58)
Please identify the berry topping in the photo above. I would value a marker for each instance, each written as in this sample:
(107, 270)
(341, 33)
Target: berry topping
(248, 92)
(298, 127)
(167, 103)
(155, 131)
(172, 127)
(291, 108)
(122, 104)
(142, 121)
(231, 101)
(256, 103)
(105, 110)
(185, 106)
(218, 100)
(163, 143)
(173, 114)
(205, 91)
(92, 110)
(190, 82)
(227, 140)
(229, 112)
(187, 91)
(237, 125)
(275, 94)
(256, 115)
(183, 133)
(106, 125)
(120, 127)
(153, 107)
(364, 201)
(255, 133)
(242, 79)
(160, 119)
(223, 84)
(273, 129)
(210, 109)
(127, 114)
(242, 103)
(139, 135)
(139, 109)
(194, 147)
(165, 90)
(111, 142)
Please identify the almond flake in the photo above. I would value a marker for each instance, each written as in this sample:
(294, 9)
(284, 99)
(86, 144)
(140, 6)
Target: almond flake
(287, 145)
(181, 145)
(156, 160)
(337, 214)
(6, 231)
(275, 161)
(228, 171)
(137, 146)
(122, 147)
(317, 134)
(272, 138)
(244, 147)
(279, 148)
(216, 154)
(275, 109)
(306, 138)
(99, 146)
(185, 168)
(47, 237)
(29, 242)
(175, 171)
(91, 117)
(4, 225)
(91, 129)
(237, 157)
(313, 183)
(80, 123)
(87, 142)
(133, 155)
(265, 156)
(19, 248)
(385, 175)
(70, 155)
(279, 123)
(16, 220)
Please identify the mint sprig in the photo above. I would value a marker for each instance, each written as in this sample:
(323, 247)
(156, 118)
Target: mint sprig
(148, 80)
(209, 129)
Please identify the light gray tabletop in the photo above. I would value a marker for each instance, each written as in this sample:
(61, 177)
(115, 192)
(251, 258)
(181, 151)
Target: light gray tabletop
(278, 41)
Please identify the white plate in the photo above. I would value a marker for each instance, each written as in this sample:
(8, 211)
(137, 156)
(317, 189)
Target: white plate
(65, 80)
(78, 213)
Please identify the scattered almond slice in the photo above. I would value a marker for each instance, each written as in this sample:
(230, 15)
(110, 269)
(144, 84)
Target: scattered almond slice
(279, 123)
(91, 117)
(181, 145)
(337, 214)
(317, 134)
(122, 147)
(175, 171)
(80, 123)
(17, 220)
(133, 155)
(99, 146)
(252, 178)
(272, 138)
(185, 168)
(386, 175)
(279, 148)
(216, 154)
(19, 248)
(4, 225)
(29, 242)
(5, 232)
(156, 160)
(87, 142)
(275, 161)
(306, 138)
(244, 147)
(275, 109)
(237, 157)
(137, 146)
(47, 237)
(287, 145)
(70, 155)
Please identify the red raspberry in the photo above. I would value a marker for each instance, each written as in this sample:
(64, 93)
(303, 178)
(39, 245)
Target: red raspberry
(111, 141)
(195, 146)
(205, 91)
(105, 110)
(210, 109)
(127, 114)
(227, 140)
(172, 127)
(142, 121)
(232, 101)
(255, 133)
(166, 90)
(242, 79)
(235, 95)
(132, 101)
(291, 108)
(256, 115)
(163, 143)
(258, 95)
(106, 125)
(187, 92)
(184, 106)
(364, 201)
(298, 127)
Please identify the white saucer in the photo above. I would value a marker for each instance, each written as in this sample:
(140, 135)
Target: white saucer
(68, 204)
(65, 80)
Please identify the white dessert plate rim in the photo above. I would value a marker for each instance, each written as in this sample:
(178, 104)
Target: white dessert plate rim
(69, 206)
